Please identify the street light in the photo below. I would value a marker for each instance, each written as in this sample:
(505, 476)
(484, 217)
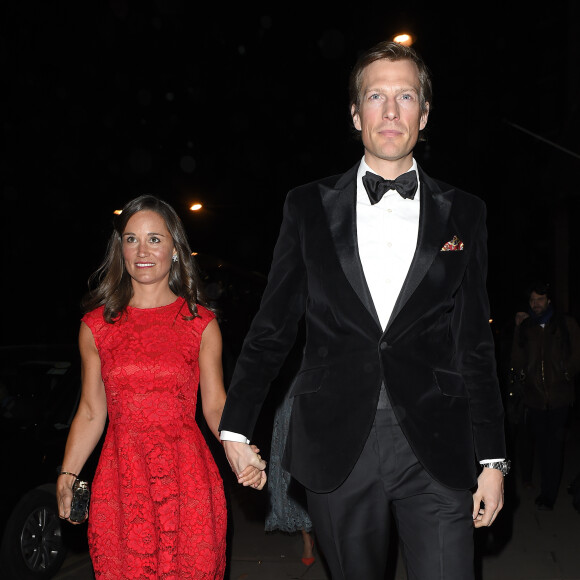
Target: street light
(196, 207)
(404, 38)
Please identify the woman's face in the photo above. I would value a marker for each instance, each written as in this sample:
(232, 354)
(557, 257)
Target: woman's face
(147, 248)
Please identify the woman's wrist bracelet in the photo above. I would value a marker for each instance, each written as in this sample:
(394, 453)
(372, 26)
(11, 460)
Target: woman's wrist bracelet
(69, 473)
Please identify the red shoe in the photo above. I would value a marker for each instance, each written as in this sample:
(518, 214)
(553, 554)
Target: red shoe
(309, 561)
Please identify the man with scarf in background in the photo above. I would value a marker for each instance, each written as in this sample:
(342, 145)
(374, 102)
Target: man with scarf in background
(545, 357)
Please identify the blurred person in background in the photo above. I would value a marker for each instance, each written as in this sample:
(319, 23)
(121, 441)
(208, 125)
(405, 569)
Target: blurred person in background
(545, 359)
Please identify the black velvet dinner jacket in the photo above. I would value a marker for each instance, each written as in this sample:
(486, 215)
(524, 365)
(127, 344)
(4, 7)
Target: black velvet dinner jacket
(436, 356)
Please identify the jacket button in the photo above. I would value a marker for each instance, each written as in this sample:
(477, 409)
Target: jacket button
(384, 345)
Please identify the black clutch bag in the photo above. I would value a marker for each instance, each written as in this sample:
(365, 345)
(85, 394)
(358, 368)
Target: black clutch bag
(79, 508)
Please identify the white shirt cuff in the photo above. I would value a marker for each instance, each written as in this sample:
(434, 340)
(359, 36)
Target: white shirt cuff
(231, 436)
(486, 461)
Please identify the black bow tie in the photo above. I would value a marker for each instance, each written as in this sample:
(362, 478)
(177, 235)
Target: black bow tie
(376, 186)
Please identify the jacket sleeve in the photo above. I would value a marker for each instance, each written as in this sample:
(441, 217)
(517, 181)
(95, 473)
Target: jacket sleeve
(272, 332)
(476, 351)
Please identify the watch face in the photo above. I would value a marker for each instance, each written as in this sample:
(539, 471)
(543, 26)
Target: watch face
(503, 466)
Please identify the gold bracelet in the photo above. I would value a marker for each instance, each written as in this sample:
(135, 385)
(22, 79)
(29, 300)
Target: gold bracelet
(69, 473)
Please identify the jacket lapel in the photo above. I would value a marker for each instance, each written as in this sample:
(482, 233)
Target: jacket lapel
(433, 217)
(339, 203)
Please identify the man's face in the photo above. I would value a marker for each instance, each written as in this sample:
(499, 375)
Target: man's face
(390, 114)
(539, 303)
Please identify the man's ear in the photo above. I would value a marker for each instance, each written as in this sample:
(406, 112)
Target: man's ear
(424, 117)
(355, 117)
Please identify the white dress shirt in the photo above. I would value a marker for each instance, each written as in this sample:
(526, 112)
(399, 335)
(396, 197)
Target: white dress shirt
(387, 239)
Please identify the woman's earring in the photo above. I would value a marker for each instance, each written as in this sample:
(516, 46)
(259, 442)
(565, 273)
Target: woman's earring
(174, 258)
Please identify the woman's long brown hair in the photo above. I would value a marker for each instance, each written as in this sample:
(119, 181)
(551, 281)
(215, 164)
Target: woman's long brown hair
(110, 285)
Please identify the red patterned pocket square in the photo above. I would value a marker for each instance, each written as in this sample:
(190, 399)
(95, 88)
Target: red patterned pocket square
(453, 245)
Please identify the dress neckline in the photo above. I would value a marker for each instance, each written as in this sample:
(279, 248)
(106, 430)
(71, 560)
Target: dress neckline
(157, 308)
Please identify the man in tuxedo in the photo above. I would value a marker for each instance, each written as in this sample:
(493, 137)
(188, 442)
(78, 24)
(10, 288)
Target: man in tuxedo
(396, 403)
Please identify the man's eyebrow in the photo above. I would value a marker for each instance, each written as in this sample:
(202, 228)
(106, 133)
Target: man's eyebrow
(402, 89)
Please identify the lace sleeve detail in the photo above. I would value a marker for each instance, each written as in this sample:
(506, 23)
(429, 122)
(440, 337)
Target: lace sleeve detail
(95, 321)
(204, 318)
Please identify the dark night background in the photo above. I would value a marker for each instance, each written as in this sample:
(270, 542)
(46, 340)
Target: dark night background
(232, 107)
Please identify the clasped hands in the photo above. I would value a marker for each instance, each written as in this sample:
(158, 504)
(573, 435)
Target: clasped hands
(246, 463)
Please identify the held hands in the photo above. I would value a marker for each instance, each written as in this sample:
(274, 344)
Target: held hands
(246, 464)
(488, 498)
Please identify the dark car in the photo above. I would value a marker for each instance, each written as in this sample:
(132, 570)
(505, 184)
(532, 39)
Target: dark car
(39, 393)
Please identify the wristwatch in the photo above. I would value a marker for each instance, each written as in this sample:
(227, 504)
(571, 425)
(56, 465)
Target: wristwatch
(503, 466)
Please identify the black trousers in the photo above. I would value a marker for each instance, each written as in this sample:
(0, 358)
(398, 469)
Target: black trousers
(352, 523)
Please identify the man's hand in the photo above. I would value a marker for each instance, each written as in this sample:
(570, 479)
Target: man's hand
(520, 317)
(488, 498)
(246, 464)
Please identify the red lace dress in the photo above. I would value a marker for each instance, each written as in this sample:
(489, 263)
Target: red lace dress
(157, 508)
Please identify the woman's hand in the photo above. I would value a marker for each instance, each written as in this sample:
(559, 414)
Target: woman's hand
(64, 495)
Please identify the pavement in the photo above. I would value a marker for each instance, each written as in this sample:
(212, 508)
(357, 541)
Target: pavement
(523, 544)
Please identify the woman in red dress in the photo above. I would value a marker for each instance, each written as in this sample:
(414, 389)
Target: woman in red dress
(157, 509)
